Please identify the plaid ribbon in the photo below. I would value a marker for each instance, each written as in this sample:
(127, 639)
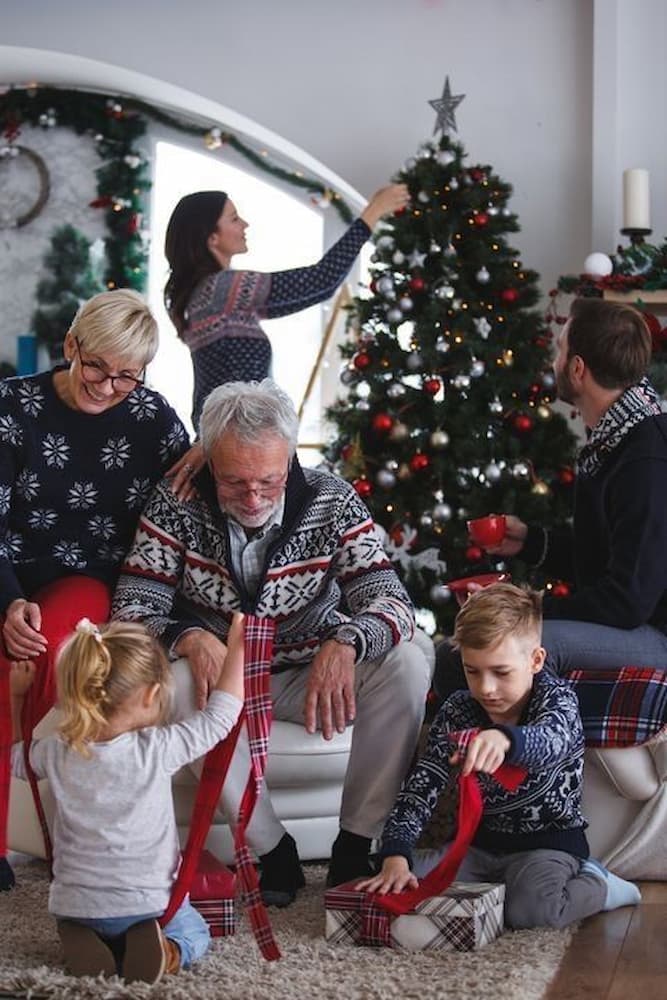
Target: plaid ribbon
(259, 633)
(469, 813)
(620, 708)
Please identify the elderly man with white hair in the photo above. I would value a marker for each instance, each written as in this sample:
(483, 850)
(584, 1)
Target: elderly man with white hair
(269, 538)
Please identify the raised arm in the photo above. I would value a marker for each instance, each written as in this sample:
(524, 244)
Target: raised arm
(296, 289)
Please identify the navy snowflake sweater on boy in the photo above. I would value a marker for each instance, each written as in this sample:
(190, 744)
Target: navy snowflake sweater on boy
(543, 812)
(223, 314)
(72, 484)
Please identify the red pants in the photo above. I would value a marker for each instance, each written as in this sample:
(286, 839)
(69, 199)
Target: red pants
(62, 603)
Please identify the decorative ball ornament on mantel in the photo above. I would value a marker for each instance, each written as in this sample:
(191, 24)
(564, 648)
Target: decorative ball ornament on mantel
(22, 195)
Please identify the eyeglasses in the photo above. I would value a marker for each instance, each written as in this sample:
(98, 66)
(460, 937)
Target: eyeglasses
(267, 487)
(93, 373)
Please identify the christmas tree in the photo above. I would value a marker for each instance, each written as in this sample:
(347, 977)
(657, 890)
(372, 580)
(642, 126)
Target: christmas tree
(61, 293)
(448, 412)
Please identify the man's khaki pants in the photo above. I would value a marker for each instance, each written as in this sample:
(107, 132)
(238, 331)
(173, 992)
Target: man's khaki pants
(390, 699)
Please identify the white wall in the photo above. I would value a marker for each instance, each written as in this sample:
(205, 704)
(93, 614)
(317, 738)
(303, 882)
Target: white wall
(349, 82)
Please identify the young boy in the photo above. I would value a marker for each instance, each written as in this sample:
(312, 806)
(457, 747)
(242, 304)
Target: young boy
(531, 839)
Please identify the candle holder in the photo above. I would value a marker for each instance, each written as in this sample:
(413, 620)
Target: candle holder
(636, 236)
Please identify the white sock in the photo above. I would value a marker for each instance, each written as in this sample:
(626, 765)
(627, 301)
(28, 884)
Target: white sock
(619, 891)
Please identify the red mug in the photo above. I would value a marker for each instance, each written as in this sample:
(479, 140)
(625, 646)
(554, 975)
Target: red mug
(489, 530)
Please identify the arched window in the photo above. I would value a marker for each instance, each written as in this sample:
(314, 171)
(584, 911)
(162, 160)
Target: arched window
(283, 232)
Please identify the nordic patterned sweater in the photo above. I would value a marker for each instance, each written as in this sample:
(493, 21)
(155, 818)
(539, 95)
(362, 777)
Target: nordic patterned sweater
(223, 331)
(72, 484)
(326, 568)
(544, 811)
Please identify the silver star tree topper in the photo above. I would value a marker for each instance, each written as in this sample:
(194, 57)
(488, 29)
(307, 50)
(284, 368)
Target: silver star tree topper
(445, 107)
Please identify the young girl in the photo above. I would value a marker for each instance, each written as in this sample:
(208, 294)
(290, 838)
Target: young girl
(116, 850)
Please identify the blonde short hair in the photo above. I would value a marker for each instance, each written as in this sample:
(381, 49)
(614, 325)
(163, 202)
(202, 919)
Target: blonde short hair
(117, 322)
(490, 615)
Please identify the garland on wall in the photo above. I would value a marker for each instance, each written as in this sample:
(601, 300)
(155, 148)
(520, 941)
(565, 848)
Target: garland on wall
(116, 124)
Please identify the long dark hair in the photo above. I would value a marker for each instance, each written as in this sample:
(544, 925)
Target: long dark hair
(185, 247)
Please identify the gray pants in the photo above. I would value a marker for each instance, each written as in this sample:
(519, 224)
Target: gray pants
(542, 888)
(390, 701)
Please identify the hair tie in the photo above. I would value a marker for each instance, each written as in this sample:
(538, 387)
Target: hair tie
(85, 625)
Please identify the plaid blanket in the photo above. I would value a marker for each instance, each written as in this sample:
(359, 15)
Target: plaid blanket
(621, 708)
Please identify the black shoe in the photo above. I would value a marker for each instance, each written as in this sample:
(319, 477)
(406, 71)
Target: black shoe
(349, 859)
(282, 874)
(7, 880)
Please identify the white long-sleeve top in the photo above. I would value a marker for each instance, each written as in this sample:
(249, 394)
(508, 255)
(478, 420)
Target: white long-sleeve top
(115, 843)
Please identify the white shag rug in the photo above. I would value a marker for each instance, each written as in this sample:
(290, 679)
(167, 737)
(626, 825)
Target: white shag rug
(518, 965)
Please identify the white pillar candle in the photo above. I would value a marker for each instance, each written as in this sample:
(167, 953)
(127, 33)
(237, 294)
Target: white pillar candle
(636, 209)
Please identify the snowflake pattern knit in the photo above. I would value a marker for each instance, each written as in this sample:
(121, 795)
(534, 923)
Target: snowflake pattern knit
(72, 484)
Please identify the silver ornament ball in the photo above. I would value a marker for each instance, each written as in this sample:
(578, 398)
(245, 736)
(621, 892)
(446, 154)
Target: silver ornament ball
(439, 439)
(440, 593)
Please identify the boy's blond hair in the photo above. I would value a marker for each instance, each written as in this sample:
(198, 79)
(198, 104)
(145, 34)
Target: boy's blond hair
(492, 614)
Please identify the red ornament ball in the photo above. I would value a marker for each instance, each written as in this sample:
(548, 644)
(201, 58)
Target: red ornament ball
(534, 389)
(400, 211)
(566, 476)
(346, 451)
(480, 219)
(476, 174)
(364, 487)
(382, 423)
(361, 361)
(509, 295)
(523, 423)
(473, 553)
(432, 386)
(417, 284)
(560, 589)
(419, 462)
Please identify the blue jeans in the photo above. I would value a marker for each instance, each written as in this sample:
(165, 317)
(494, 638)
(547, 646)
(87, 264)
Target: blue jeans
(187, 928)
(570, 645)
(587, 646)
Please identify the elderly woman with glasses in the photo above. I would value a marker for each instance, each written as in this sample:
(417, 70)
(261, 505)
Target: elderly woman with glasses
(81, 448)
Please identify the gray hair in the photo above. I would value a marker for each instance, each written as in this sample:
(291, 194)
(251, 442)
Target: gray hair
(117, 322)
(249, 410)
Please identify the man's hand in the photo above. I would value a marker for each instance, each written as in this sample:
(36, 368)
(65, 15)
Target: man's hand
(394, 877)
(330, 689)
(206, 655)
(21, 630)
(486, 752)
(515, 535)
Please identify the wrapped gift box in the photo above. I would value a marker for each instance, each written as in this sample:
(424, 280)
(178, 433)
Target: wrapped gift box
(467, 916)
(213, 893)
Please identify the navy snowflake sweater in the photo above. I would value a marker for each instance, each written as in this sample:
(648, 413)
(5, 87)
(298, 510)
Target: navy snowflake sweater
(543, 812)
(223, 314)
(72, 484)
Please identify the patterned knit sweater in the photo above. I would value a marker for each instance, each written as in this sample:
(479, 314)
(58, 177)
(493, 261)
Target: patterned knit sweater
(223, 314)
(545, 810)
(325, 569)
(72, 484)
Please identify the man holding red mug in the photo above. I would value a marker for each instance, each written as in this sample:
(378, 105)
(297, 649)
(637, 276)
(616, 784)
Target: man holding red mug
(616, 548)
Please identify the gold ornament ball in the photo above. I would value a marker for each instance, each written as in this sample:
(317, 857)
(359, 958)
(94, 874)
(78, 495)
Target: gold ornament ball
(543, 412)
(404, 472)
(399, 432)
(541, 489)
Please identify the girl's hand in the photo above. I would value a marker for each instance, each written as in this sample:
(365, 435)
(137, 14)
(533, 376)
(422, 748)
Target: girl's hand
(183, 471)
(394, 877)
(21, 630)
(21, 676)
(231, 677)
(385, 201)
